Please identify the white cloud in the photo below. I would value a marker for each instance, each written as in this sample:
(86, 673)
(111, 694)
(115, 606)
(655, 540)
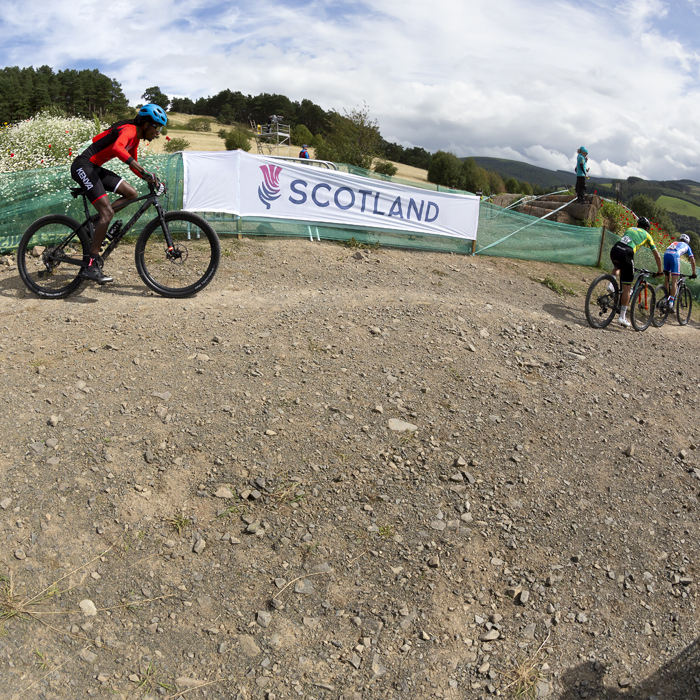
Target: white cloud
(527, 80)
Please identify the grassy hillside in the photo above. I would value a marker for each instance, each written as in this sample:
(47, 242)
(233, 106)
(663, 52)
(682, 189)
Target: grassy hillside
(524, 172)
(679, 206)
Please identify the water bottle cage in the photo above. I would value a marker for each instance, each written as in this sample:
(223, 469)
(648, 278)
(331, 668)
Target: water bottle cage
(114, 230)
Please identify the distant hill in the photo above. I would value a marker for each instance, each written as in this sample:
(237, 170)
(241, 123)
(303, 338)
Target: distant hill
(524, 172)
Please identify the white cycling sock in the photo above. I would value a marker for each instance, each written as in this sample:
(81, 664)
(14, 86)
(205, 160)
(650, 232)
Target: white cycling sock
(623, 312)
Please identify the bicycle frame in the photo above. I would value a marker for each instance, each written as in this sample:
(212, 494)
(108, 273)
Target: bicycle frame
(641, 278)
(150, 200)
(680, 285)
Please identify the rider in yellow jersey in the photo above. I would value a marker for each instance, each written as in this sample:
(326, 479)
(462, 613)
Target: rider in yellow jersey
(622, 256)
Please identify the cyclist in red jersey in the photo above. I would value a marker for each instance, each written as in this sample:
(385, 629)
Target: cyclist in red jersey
(121, 141)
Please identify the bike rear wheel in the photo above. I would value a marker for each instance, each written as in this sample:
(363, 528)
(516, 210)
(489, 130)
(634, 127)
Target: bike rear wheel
(601, 303)
(684, 305)
(42, 251)
(192, 263)
(662, 311)
(642, 307)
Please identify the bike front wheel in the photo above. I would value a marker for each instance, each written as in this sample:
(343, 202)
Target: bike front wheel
(662, 310)
(601, 301)
(43, 253)
(642, 307)
(684, 305)
(191, 263)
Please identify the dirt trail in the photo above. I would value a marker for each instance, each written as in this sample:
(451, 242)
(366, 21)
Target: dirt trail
(408, 475)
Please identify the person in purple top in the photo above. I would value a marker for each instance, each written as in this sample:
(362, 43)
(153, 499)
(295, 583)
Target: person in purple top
(672, 265)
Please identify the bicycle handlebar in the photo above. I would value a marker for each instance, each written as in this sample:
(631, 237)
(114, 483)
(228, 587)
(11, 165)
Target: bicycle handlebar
(157, 183)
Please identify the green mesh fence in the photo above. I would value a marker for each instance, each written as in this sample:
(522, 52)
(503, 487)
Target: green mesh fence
(509, 234)
(30, 194)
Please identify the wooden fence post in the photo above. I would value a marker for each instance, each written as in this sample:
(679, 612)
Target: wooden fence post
(600, 251)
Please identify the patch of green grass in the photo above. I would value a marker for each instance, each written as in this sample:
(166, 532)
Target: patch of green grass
(41, 660)
(455, 374)
(527, 674)
(231, 510)
(13, 606)
(386, 531)
(353, 243)
(558, 287)
(179, 523)
(150, 680)
(679, 206)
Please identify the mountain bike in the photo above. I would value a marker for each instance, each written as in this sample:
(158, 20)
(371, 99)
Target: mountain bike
(683, 304)
(177, 253)
(603, 300)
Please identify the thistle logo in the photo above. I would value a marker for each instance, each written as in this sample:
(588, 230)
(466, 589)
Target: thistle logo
(269, 190)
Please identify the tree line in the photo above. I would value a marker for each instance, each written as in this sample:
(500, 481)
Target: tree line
(26, 91)
(319, 126)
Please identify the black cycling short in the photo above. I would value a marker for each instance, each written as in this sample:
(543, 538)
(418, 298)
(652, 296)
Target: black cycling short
(95, 180)
(622, 257)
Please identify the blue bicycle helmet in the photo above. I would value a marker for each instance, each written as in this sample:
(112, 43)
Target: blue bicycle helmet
(154, 113)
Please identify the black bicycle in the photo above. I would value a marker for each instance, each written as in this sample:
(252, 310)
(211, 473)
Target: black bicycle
(683, 304)
(177, 253)
(603, 300)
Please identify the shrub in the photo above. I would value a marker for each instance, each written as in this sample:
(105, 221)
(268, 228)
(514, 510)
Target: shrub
(198, 124)
(445, 170)
(301, 135)
(495, 182)
(384, 167)
(235, 139)
(473, 178)
(512, 186)
(352, 138)
(174, 145)
(44, 141)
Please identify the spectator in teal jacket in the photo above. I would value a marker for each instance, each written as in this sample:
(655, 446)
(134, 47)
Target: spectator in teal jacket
(581, 174)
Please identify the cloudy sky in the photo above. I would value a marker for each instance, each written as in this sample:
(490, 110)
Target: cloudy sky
(530, 80)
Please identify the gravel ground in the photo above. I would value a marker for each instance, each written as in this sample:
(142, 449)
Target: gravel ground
(345, 473)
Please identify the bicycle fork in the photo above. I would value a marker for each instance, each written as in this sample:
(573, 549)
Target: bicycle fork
(169, 245)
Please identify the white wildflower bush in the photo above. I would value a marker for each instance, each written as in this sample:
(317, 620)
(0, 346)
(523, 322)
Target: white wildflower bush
(44, 141)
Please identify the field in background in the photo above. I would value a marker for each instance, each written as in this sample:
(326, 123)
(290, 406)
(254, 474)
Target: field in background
(678, 206)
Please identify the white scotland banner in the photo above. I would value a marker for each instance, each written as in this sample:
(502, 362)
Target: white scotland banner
(235, 182)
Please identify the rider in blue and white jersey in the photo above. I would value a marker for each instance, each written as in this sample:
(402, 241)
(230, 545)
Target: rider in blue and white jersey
(672, 265)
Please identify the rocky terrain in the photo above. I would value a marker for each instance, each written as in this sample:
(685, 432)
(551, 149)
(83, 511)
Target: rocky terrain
(345, 473)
